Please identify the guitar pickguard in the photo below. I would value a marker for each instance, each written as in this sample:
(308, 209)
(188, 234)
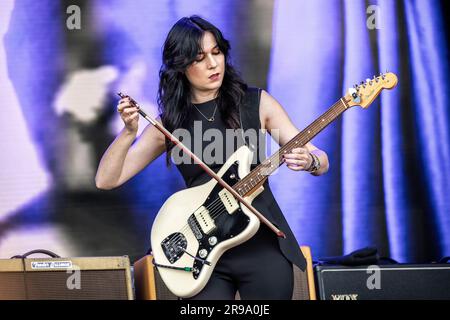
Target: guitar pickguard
(227, 225)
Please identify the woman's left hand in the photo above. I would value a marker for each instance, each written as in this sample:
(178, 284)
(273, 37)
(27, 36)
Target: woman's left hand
(299, 160)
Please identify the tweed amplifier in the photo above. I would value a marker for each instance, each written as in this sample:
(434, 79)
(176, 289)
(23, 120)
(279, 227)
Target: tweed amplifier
(106, 278)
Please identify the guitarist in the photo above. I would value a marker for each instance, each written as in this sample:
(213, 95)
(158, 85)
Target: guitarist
(198, 85)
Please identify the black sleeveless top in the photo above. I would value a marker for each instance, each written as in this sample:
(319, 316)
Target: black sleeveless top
(208, 140)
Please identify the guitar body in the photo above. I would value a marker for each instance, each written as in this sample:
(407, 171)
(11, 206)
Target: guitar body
(203, 223)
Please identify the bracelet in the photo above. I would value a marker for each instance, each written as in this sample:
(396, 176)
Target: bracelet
(315, 164)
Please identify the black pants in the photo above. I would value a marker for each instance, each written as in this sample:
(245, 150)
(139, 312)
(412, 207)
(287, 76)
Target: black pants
(256, 268)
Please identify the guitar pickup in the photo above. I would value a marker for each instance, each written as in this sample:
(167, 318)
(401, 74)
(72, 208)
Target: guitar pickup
(228, 201)
(204, 220)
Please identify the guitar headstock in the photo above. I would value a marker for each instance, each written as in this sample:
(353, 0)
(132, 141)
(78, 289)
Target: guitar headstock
(364, 93)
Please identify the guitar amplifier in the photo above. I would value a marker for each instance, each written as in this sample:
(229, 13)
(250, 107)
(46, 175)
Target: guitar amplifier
(148, 283)
(106, 278)
(385, 282)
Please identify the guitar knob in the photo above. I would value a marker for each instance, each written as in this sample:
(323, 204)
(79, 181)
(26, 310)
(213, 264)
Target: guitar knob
(212, 241)
(203, 253)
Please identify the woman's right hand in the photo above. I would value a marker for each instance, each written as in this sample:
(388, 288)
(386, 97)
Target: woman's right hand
(129, 114)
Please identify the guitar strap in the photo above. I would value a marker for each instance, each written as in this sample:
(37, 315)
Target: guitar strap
(249, 118)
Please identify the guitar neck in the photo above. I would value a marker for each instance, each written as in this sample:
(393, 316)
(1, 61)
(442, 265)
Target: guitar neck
(258, 175)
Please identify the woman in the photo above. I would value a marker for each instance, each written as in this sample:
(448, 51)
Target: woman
(198, 85)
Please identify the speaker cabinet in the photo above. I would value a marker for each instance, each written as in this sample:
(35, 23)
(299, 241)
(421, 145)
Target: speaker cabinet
(386, 282)
(149, 285)
(106, 278)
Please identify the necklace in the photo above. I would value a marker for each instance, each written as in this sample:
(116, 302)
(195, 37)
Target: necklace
(211, 119)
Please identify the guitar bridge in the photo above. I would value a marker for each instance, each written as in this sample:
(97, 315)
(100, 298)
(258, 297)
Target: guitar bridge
(228, 201)
(174, 246)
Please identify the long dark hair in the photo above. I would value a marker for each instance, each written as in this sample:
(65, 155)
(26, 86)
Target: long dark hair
(174, 95)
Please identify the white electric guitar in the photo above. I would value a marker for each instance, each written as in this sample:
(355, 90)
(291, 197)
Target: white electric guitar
(196, 226)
